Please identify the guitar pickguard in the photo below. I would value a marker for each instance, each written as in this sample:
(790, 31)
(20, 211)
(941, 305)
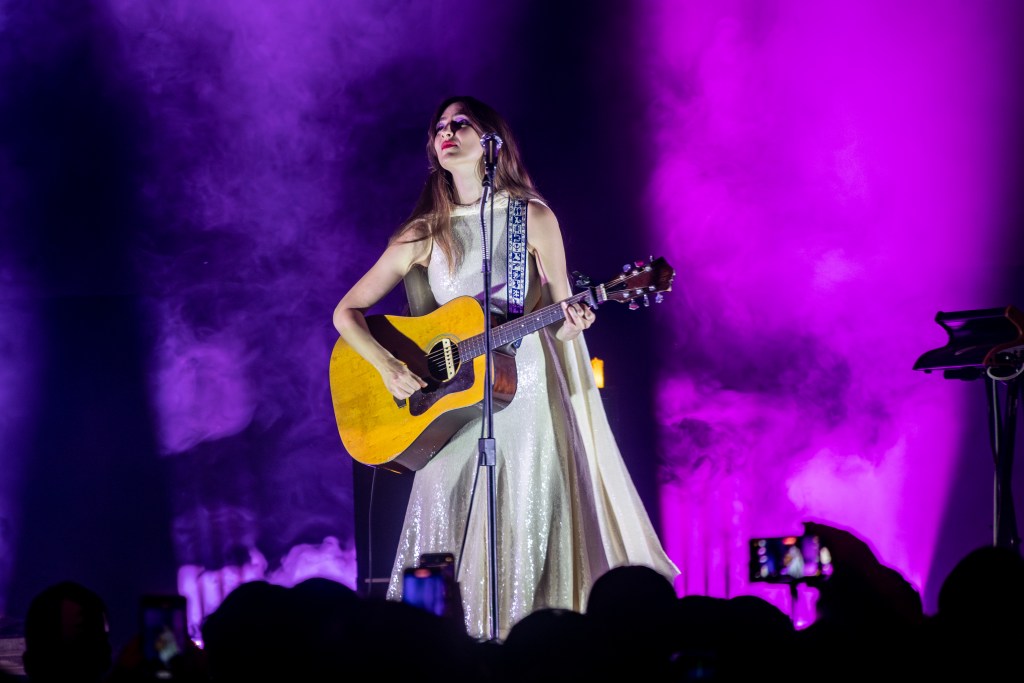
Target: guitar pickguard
(437, 385)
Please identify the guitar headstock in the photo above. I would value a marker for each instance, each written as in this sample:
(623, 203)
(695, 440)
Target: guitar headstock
(638, 282)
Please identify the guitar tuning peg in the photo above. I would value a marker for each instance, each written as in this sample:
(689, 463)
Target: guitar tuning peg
(659, 297)
(626, 268)
(647, 302)
(638, 264)
(633, 305)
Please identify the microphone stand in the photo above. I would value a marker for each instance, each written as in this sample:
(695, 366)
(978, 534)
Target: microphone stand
(487, 450)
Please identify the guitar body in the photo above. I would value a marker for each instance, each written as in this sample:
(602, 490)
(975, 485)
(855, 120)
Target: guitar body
(378, 430)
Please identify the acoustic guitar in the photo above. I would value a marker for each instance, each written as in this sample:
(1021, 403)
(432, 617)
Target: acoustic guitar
(446, 348)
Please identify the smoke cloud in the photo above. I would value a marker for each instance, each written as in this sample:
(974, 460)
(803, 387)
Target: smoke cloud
(819, 168)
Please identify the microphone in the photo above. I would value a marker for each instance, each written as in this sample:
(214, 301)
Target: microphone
(491, 142)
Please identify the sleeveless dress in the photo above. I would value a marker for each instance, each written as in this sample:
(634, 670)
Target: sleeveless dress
(566, 507)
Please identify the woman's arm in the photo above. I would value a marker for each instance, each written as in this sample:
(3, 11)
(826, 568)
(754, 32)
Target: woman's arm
(396, 261)
(545, 243)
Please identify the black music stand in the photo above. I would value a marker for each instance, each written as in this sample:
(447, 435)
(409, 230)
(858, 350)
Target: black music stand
(988, 343)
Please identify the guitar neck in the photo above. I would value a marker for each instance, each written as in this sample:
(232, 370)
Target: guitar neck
(514, 330)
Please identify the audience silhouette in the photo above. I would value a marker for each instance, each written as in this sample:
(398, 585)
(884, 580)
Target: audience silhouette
(67, 636)
(553, 644)
(247, 638)
(632, 608)
(869, 623)
(325, 621)
(979, 627)
(868, 616)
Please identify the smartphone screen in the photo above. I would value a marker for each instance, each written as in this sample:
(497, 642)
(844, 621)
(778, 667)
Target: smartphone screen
(163, 630)
(427, 588)
(788, 559)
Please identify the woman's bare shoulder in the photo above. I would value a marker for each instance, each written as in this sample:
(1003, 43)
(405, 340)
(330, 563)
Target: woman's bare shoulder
(540, 217)
(539, 211)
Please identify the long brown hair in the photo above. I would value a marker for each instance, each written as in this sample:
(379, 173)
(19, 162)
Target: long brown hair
(434, 207)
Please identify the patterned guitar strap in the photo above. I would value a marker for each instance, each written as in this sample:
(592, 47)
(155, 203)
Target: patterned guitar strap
(516, 264)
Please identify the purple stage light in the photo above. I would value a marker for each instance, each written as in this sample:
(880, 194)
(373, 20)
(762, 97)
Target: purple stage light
(819, 170)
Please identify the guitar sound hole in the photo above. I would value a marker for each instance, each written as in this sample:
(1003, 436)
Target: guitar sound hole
(443, 361)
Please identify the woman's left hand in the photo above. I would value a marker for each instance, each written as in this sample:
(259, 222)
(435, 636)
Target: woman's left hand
(577, 318)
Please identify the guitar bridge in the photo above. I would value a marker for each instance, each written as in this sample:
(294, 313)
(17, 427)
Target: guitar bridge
(449, 357)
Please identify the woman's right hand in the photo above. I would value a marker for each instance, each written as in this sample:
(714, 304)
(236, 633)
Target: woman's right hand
(400, 380)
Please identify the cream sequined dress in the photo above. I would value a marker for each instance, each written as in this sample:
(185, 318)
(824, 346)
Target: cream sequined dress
(567, 509)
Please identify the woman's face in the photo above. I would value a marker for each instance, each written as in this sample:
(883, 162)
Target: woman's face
(456, 142)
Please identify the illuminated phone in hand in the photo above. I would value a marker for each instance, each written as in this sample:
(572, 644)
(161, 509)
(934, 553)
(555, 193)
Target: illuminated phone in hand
(163, 632)
(788, 559)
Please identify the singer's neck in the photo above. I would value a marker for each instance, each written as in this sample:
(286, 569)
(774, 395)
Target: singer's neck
(468, 186)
